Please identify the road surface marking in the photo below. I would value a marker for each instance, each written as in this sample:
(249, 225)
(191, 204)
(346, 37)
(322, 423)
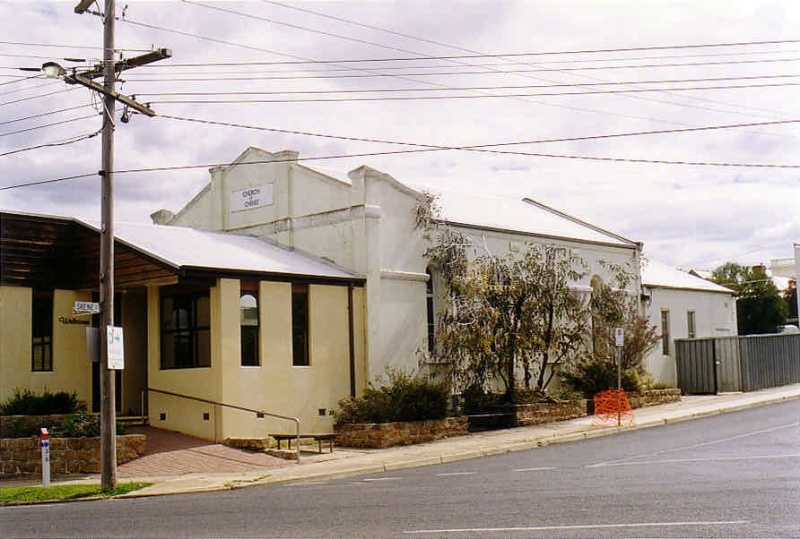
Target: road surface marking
(451, 474)
(709, 459)
(694, 446)
(375, 479)
(584, 527)
(539, 469)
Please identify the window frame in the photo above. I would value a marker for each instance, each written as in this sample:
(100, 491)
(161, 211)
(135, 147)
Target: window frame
(300, 319)
(691, 324)
(430, 311)
(192, 334)
(665, 332)
(249, 332)
(42, 330)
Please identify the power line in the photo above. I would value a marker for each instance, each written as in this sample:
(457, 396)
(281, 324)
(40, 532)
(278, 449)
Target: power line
(483, 146)
(544, 103)
(21, 79)
(49, 113)
(44, 182)
(482, 96)
(52, 144)
(21, 43)
(472, 88)
(329, 72)
(48, 125)
(306, 61)
(441, 148)
(630, 95)
(470, 51)
(63, 90)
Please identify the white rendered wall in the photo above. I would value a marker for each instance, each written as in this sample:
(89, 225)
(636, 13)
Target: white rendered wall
(715, 316)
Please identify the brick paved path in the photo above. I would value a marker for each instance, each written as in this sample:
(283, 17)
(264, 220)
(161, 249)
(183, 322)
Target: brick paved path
(172, 453)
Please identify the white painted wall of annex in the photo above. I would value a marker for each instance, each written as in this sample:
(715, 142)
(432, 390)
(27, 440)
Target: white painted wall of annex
(715, 316)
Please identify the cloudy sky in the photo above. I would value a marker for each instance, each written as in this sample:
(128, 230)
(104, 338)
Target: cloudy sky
(578, 87)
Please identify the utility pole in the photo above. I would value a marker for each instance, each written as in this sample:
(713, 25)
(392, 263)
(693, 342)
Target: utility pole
(108, 414)
(108, 70)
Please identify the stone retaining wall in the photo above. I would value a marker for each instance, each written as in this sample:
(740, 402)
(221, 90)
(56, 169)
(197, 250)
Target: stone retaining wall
(653, 397)
(526, 415)
(67, 455)
(380, 435)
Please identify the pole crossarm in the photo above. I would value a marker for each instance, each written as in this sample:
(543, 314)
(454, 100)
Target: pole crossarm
(132, 103)
(130, 63)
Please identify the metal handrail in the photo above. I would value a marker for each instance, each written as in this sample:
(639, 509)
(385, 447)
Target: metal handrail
(235, 407)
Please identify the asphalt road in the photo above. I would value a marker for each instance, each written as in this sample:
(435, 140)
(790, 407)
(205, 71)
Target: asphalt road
(733, 475)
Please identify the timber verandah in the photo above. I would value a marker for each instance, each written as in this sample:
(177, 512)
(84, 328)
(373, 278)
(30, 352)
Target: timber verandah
(744, 363)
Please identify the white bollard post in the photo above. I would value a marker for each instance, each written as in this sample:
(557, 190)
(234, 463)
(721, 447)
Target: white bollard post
(45, 443)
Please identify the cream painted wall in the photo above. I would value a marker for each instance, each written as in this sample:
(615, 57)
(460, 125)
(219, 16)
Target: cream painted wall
(179, 414)
(71, 367)
(276, 386)
(715, 316)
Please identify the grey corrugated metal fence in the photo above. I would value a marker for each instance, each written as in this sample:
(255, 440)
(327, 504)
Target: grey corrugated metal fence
(747, 363)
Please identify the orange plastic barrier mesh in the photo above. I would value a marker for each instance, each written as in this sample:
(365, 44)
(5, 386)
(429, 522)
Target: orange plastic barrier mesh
(612, 407)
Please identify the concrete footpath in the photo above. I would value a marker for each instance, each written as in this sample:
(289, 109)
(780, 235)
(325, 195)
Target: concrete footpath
(345, 462)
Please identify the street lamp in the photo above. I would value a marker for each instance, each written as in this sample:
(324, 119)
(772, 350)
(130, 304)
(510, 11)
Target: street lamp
(52, 70)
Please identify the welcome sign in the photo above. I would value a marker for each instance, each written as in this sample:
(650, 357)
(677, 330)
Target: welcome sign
(251, 197)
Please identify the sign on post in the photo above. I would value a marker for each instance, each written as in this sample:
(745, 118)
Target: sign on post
(44, 438)
(116, 350)
(619, 337)
(80, 308)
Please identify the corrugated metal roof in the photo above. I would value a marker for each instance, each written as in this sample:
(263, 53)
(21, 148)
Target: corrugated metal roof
(515, 215)
(660, 275)
(183, 247)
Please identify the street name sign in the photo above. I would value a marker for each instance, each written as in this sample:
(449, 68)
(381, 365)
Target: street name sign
(80, 308)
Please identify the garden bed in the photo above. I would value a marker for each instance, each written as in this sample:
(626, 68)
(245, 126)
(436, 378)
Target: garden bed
(382, 435)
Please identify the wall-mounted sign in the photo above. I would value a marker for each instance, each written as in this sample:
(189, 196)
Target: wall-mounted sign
(251, 197)
(85, 307)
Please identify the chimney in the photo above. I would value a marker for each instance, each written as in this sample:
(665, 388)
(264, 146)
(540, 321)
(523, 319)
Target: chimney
(162, 217)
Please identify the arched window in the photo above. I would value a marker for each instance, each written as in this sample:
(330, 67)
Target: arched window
(430, 311)
(248, 318)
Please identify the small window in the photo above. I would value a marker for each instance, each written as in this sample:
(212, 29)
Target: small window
(42, 331)
(691, 327)
(430, 312)
(248, 317)
(300, 348)
(185, 329)
(665, 331)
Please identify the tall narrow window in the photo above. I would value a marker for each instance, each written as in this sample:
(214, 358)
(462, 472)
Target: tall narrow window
(665, 331)
(248, 317)
(185, 329)
(691, 327)
(42, 331)
(300, 353)
(430, 311)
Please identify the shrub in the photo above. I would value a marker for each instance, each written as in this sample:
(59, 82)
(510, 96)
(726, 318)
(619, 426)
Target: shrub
(83, 425)
(591, 377)
(404, 398)
(26, 402)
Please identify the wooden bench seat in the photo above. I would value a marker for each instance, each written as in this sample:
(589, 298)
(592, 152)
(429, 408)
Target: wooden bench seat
(319, 438)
